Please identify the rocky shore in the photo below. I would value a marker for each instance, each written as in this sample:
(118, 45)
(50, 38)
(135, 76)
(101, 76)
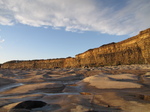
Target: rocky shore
(112, 78)
(123, 88)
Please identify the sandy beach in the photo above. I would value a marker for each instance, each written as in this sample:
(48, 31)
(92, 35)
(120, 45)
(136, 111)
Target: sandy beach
(124, 88)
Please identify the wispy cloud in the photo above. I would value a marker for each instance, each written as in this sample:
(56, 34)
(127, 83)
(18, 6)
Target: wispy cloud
(2, 40)
(119, 17)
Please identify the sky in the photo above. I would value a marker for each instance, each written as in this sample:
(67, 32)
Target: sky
(47, 29)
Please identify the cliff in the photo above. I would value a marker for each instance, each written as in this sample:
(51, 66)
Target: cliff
(135, 50)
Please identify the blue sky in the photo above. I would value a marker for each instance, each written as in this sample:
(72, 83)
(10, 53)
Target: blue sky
(45, 29)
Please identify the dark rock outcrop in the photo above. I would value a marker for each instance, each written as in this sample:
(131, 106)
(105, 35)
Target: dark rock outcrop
(135, 50)
(26, 106)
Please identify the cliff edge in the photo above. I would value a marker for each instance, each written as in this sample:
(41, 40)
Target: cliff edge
(135, 50)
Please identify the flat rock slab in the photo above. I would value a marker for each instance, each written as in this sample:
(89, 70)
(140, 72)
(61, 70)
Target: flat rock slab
(49, 87)
(105, 81)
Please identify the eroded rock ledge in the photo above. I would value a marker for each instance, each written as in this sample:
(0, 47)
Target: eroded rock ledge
(135, 50)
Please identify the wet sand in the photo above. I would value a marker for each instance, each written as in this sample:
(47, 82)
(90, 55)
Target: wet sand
(124, 88)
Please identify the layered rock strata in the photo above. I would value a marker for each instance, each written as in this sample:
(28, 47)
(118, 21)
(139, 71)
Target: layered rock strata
(135, 50)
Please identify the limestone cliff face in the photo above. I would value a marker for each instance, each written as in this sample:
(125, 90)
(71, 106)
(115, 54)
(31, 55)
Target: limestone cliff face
(52, 63)
(135, 50)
